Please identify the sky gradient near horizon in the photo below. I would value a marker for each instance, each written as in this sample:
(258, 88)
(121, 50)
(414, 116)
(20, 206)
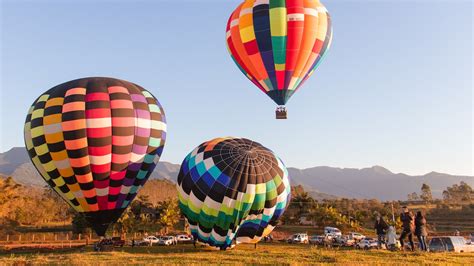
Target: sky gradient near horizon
(394, 90)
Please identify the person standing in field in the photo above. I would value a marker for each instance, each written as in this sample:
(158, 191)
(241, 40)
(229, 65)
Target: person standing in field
(380, 229)
(408, 227)
(420, 230)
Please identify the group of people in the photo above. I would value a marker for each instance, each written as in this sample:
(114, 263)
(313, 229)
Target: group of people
(411, 225)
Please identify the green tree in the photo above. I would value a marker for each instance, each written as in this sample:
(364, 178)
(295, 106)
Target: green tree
(127, 222)
(79, 224)
(168, 214)
(459, 193)
(304, 202)
(139, 205)
(413, 197)
(426, 194)
(9, 193)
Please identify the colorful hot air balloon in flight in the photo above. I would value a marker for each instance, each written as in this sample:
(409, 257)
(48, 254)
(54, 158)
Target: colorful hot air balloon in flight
(232, 188)
(96, 141)
(278, 44)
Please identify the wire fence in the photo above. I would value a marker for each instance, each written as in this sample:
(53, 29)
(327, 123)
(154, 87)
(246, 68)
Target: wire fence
(33, 237)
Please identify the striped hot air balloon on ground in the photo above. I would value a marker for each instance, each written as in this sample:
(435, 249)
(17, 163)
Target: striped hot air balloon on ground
(278, 44)
(232, 188)
(96, 141)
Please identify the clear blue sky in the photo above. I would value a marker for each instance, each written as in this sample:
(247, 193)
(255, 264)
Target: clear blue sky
(395, 89)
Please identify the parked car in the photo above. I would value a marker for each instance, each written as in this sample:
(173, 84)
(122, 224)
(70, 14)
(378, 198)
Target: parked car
(450, 243)
(356, 236)
(167, 241)
(367, 243)
(109, 243)
(150, 240)
(316, 240)
(298, 238)
(118, 242)
(347, 241)
(184, 238)
(338, 241)
(332, 232)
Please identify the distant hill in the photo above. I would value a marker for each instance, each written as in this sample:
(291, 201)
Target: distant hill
(320, 182)
(165, 170)
(12, 159)
(375, 182)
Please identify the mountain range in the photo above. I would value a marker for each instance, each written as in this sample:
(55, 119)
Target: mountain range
(321, 182)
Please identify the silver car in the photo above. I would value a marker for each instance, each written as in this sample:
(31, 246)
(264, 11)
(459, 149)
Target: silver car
(450, 243)
(167, 241)
(299, 238)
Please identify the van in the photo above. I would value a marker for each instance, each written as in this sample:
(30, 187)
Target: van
(332, 232)
(450, 243)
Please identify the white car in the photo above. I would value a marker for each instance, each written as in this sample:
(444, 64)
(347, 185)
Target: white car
(167, 240)
(299, 238)
(356, 236)
(450, 243)
(367, 243)
(150, 240)
(184, 239)
(332, 232)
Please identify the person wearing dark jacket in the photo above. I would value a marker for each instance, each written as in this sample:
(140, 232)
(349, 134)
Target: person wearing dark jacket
(380, 229)
(420, 230)
(408, 227)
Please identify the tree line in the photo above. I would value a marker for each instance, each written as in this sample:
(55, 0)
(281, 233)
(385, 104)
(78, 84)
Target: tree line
(455, 194)
(153, 212)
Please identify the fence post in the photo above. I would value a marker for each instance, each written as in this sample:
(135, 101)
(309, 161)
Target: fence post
(33, 238)
(8, 238)
(79, 236)
(67, 236)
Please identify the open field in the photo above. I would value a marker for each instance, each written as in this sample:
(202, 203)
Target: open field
(274, 253)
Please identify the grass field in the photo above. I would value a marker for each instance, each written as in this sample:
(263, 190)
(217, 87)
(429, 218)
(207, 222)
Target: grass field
(275, 253)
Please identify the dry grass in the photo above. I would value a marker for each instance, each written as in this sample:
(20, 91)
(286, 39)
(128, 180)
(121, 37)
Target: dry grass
(275, 253)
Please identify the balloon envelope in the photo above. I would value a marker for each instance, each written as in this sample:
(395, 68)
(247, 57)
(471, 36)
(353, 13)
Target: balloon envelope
(232, 188)
(96, 141)
(278, 44)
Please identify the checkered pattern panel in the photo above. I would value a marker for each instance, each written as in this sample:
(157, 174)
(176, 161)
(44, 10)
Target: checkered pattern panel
(96, 141)
(232, 187)
(278, 44)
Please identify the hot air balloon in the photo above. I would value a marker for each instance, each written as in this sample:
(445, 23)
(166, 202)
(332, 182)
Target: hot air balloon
(96, 141)
(232, 188)
(278, 44)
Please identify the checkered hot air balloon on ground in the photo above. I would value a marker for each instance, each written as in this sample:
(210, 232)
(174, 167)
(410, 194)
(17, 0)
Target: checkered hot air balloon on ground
(232, 188)
(96, 141)
(278, 44)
